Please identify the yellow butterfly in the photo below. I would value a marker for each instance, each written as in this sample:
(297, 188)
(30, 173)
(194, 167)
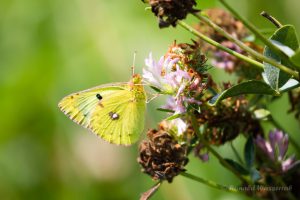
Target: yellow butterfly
(115, 112)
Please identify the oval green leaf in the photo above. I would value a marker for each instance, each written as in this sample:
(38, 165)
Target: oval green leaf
(285, 38)
(295, 59)
(247, 87)
(249, 152)
(239, 168)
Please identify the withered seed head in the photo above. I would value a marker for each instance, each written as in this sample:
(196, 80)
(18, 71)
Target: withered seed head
(169, 11)
(227, 120)
(226, 21)
(188, 54)
(161, 156)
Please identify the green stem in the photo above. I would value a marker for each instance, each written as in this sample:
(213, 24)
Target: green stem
(266, 41)
(245, 47)
(210, 183)
(214, 152)
(219, 46)
(291, 139)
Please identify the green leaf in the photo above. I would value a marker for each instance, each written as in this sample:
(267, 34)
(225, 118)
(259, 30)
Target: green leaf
(295, 59)
(165, 110)
(156, 89)
(287, 35)
(247, 87)
(285, 38)
(285, 49)
(291, 84)
(239, 168)
(249, 152)
(261, 113)
(174, 117)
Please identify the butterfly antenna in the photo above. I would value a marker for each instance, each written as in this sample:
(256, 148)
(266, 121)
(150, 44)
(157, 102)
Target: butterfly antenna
(154, 96)
(133, 62)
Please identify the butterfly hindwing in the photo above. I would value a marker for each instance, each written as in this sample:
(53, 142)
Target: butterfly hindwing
(114, 112)
(120, 120)
(79, 106)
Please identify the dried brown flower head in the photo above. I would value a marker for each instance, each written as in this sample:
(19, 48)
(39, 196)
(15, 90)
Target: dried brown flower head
(227, 120)
(189, 54)
(191, 57)
(226, 21)
(161, 156)
(169, 11)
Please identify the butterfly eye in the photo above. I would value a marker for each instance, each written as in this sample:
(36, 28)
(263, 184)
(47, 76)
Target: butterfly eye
(99, 96)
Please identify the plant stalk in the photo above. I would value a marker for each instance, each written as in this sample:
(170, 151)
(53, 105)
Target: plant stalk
(209, 183)
(219, 46)
(266, 41)
(271, 19)
(245, 47)
(236, 153)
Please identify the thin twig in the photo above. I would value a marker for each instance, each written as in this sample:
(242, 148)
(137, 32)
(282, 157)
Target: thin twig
(146, 195)
(219, 46)
(245, 47)
(271, 19)
(266, 41)
(210, 183)
(237, 155)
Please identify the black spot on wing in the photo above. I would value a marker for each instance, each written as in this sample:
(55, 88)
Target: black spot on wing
(99, 96)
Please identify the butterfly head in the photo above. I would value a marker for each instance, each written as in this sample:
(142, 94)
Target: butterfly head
(136, 79)
(136, 83)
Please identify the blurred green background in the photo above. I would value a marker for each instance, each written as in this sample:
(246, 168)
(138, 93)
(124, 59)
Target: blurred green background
(49, 49)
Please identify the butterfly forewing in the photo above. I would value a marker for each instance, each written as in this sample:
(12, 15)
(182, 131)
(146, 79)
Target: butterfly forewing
(115, 113)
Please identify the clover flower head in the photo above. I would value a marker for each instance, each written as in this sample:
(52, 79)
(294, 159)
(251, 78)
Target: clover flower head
(173, 77)
(276, 149)
(179, 124)
(166, 74)
(178, 106)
